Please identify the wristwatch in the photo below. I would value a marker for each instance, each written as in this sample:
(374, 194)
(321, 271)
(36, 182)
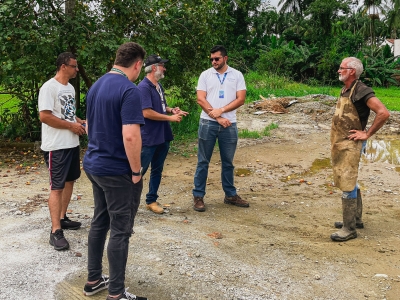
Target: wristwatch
(140, 173)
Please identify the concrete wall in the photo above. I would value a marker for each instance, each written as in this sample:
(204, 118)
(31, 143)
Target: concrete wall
(397, 47)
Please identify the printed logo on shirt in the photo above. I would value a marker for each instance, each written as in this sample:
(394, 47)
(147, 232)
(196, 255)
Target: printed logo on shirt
(68, 108)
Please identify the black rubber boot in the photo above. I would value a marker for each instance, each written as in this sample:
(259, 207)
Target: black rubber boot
(348, 231)
(359, 222)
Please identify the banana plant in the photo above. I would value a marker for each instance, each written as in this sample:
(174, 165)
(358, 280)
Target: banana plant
(380, 70)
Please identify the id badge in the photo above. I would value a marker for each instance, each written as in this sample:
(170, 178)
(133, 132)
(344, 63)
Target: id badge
(221, 94)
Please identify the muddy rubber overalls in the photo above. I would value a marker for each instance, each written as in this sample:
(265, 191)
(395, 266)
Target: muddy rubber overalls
(345, 153)
(345, 160)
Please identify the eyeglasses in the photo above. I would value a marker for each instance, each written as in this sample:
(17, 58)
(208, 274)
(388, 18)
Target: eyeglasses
(73, 66)
(215, 58)
(341, 68)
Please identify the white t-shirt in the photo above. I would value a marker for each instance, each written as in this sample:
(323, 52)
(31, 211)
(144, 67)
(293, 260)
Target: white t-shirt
(219, 95)
(60, 100)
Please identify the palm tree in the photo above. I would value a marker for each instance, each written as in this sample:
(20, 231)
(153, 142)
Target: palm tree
(294, 6)
(394, 18)
(372, 8)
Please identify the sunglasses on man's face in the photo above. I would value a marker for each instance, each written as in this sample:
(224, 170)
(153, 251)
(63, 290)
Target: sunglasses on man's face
(215, 58)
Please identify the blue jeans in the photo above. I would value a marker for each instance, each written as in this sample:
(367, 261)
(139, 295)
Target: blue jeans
(353, 194)
(116, 201)
(208, 133)
(154, 155)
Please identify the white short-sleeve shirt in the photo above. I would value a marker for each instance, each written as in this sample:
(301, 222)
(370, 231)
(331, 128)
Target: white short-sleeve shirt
(210, 82)
(60, 100)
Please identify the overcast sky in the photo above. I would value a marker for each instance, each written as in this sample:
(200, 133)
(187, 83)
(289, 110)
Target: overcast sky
(274, 2)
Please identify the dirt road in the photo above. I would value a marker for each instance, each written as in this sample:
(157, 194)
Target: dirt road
(278, 248)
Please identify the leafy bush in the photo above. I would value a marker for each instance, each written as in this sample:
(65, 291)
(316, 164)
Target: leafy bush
(380, 67)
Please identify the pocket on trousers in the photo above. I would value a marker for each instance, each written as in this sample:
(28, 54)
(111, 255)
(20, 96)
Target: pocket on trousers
(122, 223)
(139, 183)
(203, 129)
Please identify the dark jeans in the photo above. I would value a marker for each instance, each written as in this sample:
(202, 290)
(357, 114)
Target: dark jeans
(154, 155)
(209, 132)
(116, 201)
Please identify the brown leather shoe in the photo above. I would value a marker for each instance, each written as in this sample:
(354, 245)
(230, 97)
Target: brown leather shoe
(155, 208)
(236, 200)
(198, 204)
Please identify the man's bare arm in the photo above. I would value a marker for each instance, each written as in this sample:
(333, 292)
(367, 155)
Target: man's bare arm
(133, 146)
(239, 101)
(202, 101)
(48, 118)
(151, 114)
(382, 114)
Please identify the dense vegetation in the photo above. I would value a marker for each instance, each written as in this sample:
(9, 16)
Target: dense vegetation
(305, 41)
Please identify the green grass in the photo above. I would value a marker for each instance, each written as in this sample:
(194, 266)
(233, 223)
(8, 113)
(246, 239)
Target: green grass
(247, 134)
(267, 129)
(8, 103)
(271, 85)
(268, 85)
(390, 97)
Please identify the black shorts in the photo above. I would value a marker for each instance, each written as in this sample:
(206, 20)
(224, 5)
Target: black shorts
(63, 165)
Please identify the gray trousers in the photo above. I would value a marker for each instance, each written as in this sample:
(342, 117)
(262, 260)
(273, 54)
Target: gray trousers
(116, 201)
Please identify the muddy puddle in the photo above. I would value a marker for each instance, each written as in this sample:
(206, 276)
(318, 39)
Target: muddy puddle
(241, 172)
(384, 150)
(317, 165)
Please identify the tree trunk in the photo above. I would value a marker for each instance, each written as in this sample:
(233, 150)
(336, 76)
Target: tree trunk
(69, 7)
(69, 11)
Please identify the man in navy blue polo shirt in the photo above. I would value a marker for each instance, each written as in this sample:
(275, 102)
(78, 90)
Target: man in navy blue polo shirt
(112, 164)
(156, 133)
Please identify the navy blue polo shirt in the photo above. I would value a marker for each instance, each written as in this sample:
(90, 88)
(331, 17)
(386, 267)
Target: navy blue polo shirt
(154, 132)
(112, 101)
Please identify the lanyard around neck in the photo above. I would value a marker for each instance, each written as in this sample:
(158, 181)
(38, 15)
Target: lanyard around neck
(119, 71)
(158, 89)
(223, 79)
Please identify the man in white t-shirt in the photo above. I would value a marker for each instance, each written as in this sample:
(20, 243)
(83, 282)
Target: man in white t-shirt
(61, 129)
(220, 91)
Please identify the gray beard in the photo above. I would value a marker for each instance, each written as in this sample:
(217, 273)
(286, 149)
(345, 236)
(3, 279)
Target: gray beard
(343, 78)
(158, 75)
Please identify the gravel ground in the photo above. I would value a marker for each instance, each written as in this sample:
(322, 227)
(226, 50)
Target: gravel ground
(279, 248)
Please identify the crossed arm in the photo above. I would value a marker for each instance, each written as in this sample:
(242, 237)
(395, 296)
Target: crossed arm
(51, 120)
(216, 112)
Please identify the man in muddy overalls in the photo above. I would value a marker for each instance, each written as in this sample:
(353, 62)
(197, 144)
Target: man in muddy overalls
(348, 137)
